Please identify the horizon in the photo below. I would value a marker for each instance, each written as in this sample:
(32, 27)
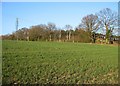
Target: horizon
(60, 13)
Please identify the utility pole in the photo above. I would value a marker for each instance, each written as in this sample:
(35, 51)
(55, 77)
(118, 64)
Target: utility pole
(16, 29)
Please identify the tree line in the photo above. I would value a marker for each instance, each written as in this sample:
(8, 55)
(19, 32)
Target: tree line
(105, 20)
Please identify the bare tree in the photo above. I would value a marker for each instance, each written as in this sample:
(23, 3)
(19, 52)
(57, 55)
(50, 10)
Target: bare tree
(68, 28)
(91, 24)
(108, 19)
(22, 33)
(51, 27)
(36, 32)
(26, 34)
(60, 35)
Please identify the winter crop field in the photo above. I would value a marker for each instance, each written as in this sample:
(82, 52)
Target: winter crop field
(58, 63)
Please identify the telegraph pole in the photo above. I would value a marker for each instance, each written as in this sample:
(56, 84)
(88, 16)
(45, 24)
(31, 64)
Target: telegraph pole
(16, 29)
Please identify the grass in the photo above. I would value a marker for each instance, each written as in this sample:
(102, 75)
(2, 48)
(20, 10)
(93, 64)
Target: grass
(59, 63)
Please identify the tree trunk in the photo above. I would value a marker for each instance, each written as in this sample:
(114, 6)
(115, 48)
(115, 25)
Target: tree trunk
(69, 35)
(50, 37)
(60, 36)
(107, 35)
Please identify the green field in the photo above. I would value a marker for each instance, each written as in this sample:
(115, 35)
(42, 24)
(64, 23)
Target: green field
(58, 63)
